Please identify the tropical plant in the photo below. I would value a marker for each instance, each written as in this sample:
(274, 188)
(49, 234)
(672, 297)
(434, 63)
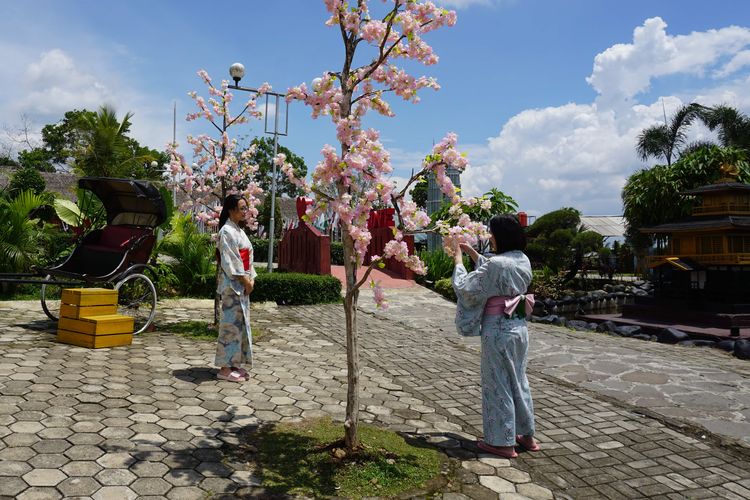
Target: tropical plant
(733, 126)
(264, 217)
(84, 215)
(26, 179)
(654, 196)
(419, 193)
(559, 242)
(194, 254)
(18, 232)
(262, 155)
(666, 140)
(105, 150)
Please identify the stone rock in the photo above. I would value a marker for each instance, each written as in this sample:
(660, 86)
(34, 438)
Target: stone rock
(640, 292)
(538, 308)
(672, 335)
(548, 320)
(607, 326)
(577, 324)
(628, 330)
(559, 321)
(742, 349)
(726, 345)
(697, 343)
(642, 336)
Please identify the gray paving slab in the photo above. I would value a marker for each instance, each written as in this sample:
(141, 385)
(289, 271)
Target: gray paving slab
(150, 420)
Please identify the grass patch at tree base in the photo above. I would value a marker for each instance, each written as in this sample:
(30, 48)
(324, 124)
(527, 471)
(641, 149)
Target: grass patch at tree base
(308, 458)
(203, 330)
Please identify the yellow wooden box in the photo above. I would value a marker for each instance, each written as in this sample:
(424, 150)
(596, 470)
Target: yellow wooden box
(94, 341)
(107, 324)
(76, 312)
(89, 296)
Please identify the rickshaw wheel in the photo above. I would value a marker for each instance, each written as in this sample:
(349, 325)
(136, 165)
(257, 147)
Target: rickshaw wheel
(137, 298)
(51, 299)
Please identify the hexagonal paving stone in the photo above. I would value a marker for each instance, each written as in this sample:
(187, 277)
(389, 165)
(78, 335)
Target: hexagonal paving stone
(11, 486)
(115, 493)
(115, 477)
(81, 468)
(51, 446)
(13, 468)
(38, 493)
(151, 486)
(44, 477)
(116, 460)
(78, 486)
(186, 493)
(48, 461)
(149, 469)
(21, 453)
(26, 427)
(84, 452)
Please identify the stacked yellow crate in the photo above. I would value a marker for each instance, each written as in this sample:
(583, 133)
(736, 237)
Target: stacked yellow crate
(88, 318)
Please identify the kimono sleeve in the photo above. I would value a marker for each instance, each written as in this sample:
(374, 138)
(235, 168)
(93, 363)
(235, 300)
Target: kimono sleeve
(474, 288)
(231, 262)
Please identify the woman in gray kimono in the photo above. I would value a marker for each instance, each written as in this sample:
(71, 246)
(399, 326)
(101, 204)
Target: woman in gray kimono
(492, 302)
(236, 281)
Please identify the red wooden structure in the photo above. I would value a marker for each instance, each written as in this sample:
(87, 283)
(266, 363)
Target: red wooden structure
(304, 249)
(381, 225)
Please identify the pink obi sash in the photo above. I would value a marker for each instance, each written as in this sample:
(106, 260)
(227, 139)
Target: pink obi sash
(509, 306)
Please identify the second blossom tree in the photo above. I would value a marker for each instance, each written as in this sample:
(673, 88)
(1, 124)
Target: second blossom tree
(353, 178)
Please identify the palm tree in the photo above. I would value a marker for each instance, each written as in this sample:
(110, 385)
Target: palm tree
(105, 148)
(733, 126)
(664, 140)
(18, 242)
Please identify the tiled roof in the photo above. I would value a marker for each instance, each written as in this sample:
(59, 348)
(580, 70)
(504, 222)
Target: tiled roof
(605, 225)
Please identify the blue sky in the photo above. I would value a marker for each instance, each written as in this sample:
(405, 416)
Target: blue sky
(546, 96)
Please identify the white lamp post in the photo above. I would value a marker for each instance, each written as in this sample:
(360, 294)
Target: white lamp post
(237, 72)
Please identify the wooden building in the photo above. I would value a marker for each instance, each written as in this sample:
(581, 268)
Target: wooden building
(702, 269)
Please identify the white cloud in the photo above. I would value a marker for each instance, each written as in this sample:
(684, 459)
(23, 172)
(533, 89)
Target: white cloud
(580, 154)
(625, 70)
(56, 85)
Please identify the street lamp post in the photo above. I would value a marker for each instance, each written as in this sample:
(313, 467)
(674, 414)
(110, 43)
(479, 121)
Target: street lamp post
(237, 71)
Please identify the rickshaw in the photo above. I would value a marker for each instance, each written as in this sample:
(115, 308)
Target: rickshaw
(114, 256)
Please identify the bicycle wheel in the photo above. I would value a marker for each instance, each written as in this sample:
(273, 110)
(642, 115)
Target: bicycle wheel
(51, 299)
(137, 298)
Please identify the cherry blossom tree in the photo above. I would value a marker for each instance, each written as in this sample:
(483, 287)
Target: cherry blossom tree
(218, 167)
(352, 179)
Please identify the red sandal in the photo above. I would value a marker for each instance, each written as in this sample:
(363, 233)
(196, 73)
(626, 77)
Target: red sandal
(528, 443)
(501, 451)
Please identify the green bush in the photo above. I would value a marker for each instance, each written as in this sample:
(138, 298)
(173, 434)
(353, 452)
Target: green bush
(547, 284)
(440, 265)
(294, 289)
(260, 249)
(337, 253)
(193, 254)
(445, 288)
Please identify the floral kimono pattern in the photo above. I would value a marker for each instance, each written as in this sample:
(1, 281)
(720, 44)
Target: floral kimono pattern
(234, 346)
(507, 407)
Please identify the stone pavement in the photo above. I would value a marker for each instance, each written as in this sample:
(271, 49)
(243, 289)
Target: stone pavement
(151, 421)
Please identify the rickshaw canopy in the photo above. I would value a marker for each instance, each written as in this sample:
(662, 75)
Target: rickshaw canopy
(127, 201)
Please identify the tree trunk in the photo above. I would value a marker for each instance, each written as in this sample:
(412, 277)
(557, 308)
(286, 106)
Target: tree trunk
(351, 424)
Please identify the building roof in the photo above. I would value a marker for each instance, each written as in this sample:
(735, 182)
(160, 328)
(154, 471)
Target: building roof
(605, 225)
(701, 224)
(56, 182)
(719, 188)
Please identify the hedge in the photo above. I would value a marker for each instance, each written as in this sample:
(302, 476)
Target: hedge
(260, 249)
(295, 289)
(445, 288)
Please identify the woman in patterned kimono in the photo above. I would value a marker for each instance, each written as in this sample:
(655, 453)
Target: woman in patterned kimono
(236, 281)
(492, 303)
